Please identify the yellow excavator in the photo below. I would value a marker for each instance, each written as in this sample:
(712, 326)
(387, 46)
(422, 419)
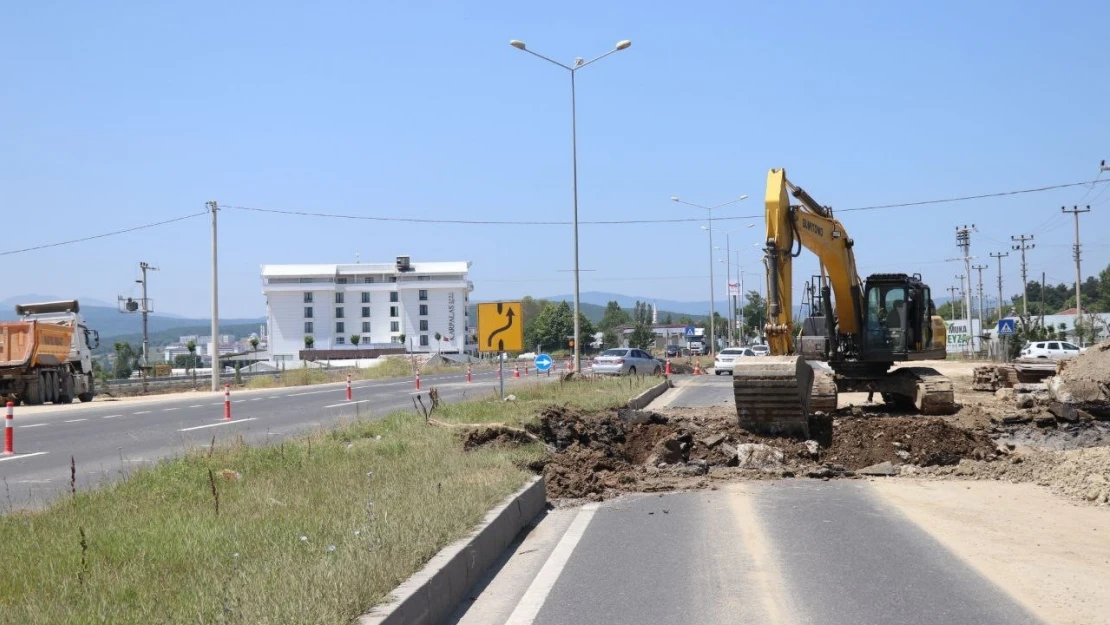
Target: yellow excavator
(855, 332)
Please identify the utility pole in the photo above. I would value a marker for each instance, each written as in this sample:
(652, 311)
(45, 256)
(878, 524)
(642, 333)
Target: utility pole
(1021, 247)
(963, 240)
(1042, 299)
(982, 320)
(952, 301)
(213, 208)
(999, 256)
(146, 310)
(1075, 210)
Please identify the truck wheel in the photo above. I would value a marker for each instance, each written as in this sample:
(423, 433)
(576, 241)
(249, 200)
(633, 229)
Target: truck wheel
(32, 392)
(85, 397)
(65, 396)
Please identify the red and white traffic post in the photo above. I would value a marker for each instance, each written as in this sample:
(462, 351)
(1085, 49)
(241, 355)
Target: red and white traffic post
(348, 387)
(468, 377)
(418, 379)
(9, 436)
(227, 401)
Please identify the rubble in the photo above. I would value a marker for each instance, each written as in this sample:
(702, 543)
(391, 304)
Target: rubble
(1084, 381)
(883, 468)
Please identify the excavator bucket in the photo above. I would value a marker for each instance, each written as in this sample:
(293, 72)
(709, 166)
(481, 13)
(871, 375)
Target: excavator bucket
(773, 394)
(779, 395)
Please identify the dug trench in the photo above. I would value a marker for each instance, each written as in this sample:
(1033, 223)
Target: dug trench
(600, 455)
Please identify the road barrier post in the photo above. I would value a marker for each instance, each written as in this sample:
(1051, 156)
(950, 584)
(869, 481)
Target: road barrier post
(348, 387)
(227, 401)
(516, 371)
(468, 377)
(525, 369)
(9, 435)
(418, 379)
(668, 372)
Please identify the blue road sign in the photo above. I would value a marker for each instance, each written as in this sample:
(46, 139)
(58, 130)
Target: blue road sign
(543, 362)
(690, 332)
(1005, 327)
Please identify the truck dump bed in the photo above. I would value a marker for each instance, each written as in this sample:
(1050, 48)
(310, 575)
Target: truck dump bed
(28, 343)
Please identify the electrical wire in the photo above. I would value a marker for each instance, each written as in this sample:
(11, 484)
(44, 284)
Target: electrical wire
(622, 222)
(103, 234)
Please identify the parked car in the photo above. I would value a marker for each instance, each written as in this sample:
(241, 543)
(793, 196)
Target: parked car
(761, 350)
(673, 351)
(626, 361)
(1052, 350)
(723, 362)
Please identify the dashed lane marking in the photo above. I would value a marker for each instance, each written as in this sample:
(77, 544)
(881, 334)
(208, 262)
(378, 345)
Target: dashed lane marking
(217, 424)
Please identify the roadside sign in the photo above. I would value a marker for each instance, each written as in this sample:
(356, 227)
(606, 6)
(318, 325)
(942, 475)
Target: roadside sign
(543, 363)
(690, 332)
(1005, 327)
(500, 327)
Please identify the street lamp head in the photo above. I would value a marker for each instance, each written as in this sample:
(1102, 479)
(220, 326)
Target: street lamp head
(750, 225)
(744, 197)
(622, 44)
(674, 198)
(705, 227)
(518, 44)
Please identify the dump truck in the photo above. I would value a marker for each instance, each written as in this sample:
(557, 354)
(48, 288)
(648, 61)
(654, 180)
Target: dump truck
(46, 356)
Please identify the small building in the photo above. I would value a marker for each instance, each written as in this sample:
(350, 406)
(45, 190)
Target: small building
(377, 302)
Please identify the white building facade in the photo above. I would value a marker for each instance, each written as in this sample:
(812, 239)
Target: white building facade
(378, 302)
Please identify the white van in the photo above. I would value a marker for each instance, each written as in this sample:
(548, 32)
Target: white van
(1052, 350)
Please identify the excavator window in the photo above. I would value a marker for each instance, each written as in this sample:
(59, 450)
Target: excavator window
(886, 318)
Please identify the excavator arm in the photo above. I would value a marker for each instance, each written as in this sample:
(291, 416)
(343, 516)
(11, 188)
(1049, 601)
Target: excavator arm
(811, 226)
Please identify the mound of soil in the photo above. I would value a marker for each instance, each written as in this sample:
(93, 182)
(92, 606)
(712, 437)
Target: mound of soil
(1082, 474)
(1086, 378)
(858, 443)
(494, 437)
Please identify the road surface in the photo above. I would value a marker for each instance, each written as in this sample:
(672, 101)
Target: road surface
(107, 438)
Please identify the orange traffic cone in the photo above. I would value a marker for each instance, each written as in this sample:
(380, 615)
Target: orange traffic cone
(668, 371)
(516, 371)
(697, 367)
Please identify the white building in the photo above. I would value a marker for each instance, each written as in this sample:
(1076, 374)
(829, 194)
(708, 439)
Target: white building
(376, 301)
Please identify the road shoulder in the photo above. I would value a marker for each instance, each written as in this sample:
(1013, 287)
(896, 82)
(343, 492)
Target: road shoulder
(1051, 555)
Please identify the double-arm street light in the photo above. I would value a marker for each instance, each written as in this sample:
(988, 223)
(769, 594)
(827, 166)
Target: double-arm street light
(728, 279)
(578, 64)
(709, 210)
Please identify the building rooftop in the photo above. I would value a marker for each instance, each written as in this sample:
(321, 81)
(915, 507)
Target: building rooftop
(362, 268)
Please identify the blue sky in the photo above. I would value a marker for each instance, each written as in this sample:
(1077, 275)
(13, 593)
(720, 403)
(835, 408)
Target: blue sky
(118, 114)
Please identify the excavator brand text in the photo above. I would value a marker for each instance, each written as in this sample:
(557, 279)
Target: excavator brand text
(812, 227)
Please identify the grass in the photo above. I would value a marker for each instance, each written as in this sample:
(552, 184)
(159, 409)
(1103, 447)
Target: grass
(314, 530)
(389, 368)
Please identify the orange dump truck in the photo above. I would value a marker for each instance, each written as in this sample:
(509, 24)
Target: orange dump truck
(46, 356)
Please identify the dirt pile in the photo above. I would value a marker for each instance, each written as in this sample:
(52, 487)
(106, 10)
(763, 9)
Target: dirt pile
(858, 443)
(1085, 380)
(1080, 474)
(496, 437)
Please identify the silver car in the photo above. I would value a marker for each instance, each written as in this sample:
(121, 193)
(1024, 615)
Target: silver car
(626, 361)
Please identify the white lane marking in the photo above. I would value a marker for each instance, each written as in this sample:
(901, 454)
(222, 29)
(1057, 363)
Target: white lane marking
(141, 412)
(533, 599)
(196, 406)
(37, 425)
(330, 390)
(169, 409)
(219, 403)
(255, 399)
(213, 425)
(21, 456)
(238, 401)
(274, 397)
(348, 403)
(112, 416)
(76, 420)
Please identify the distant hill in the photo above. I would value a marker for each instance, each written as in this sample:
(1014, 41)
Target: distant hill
(159, 340)
(110, 322)
(628, 301)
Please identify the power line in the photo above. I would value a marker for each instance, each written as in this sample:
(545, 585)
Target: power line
(623, 222)
(102, 235)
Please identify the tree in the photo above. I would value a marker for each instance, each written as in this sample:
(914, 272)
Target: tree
(667, 319)
(254, 346)
(401, 340)
(642, 337)
(439, 337)
(126, 360)
(356, 339)
(183, 361)
(610, 339)
(613, 317)
(531, 309)
(309, 341)
(755, 314)
(554, 328)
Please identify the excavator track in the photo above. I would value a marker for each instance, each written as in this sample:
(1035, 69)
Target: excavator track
(931, 392)
(773, 394)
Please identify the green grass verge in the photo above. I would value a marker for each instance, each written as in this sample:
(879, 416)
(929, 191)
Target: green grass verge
(315, 530)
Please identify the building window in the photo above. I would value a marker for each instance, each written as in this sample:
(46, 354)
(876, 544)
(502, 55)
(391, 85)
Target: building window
(366, 327)
(307, 312)
(393, 297)
(423, 295)
(423, 325)
(365, 297)
(423, 310)
(394, 326)
(394, 339)
(365, 311)
(341, 280)
(308, 297)
(339, 340)
(423, 340)
(339, 328)
(423, 278)
(339, 297)
(338, 312)
(392, 278)
(393, 311)
(308, 327)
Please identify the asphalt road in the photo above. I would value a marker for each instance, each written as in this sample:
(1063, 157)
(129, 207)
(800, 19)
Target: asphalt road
(696, 391)
(791, 552)
(107, 438)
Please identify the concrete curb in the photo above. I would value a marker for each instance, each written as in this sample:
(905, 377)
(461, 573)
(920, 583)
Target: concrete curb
(641, 401)
(433, 593)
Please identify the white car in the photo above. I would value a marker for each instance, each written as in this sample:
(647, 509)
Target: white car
(723, 362)
(761, 350)
(1052, 350)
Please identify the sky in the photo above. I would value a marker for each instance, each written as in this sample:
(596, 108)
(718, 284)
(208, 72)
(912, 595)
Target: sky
(120, 114)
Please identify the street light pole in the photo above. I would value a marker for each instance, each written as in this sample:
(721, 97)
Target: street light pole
(709, 210)
(578, 64)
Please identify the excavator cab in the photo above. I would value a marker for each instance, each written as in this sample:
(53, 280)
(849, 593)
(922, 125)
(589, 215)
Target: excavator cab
(898, 319)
